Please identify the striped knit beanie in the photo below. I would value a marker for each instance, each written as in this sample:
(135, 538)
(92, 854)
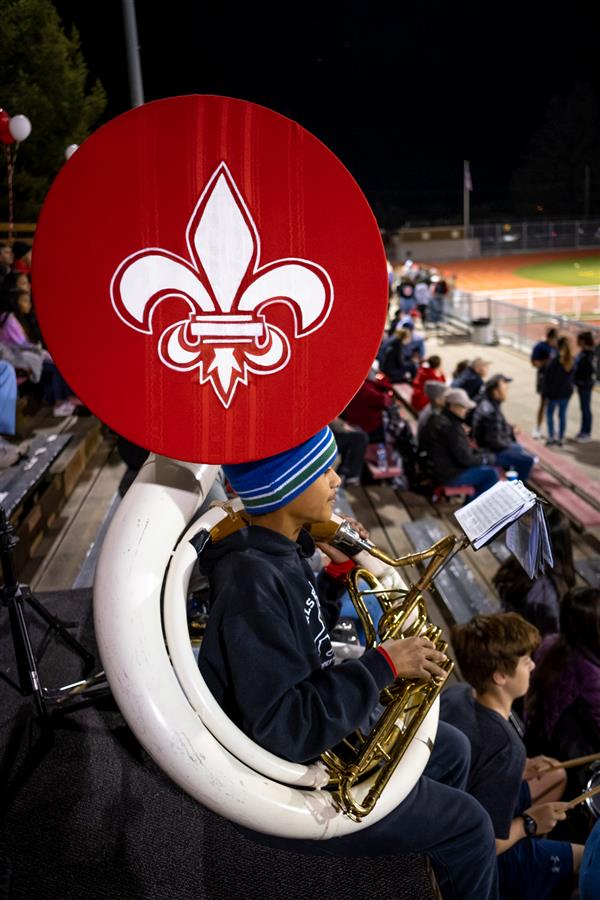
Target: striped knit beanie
(268, 484)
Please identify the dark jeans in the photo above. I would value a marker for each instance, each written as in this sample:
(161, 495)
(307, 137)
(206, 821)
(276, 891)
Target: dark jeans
(480, 477)
(55, 387)
(585, 401)
(437, 818)
(352, 446)
(514, 457)
(562, 416)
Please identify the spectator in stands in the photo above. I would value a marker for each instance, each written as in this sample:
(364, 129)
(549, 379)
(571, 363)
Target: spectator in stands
(471, 378)
(491, 431)
(449, 456)
(22, 254)
(18, 287)
(7, 259)
(563, 704)
(16, 348)
(494, 655)
(541, 355)
(268, 660)
(460, 368)
(352, 443)
(539, 601)
(429, 371)
(407, 297)
(367, 407)
(583, 379)
(415, 349)
(8, 409)
(423, 298)
(396, 362)
(436, 394)
(558, 388)
(438, 300)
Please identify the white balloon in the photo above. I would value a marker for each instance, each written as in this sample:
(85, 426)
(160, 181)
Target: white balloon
(71, 150)
(19, 127)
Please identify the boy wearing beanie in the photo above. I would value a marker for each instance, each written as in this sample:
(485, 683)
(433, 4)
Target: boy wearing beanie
(268, 660)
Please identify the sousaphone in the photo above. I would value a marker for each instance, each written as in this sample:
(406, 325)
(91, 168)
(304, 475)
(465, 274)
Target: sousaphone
(223, 298)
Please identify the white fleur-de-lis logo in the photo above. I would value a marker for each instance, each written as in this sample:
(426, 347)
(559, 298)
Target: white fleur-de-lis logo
(226, 335)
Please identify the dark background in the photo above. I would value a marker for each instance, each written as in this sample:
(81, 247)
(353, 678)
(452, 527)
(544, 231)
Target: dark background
(402, 94)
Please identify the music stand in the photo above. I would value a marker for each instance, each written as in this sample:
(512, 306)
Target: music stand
(15, 597)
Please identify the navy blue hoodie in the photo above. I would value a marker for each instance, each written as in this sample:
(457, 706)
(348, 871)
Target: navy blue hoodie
(267, 656)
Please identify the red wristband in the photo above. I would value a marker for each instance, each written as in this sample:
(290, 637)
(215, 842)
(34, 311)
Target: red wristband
(340, 570)
(388, 659)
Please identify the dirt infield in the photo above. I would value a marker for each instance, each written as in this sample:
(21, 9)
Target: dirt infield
(499, 272)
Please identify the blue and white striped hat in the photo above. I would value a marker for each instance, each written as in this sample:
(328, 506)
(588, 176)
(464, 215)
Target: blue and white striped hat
(267, 484)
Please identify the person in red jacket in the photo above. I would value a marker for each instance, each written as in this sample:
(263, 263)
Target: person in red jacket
(428, 371)
(368, 404)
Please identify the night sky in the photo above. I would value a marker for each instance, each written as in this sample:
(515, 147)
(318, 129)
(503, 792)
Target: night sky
(401, 94)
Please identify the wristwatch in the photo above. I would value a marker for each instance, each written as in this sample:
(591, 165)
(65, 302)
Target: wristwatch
(530, 825)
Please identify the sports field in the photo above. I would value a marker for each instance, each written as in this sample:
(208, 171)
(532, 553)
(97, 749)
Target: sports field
(557, 268)
(575, 272)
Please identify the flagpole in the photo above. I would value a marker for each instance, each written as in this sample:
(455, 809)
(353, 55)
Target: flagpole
(466, 198)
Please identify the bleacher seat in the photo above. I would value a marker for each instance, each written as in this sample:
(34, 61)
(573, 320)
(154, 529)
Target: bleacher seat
(445, 491)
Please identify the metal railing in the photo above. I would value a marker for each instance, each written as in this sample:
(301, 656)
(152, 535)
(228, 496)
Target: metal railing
(579, 302)
(518, 326)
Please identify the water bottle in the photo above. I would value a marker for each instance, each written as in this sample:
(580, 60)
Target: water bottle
(381, 456)
(511, 475)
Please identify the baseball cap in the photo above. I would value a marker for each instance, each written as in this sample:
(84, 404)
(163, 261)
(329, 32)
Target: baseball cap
(460, 397)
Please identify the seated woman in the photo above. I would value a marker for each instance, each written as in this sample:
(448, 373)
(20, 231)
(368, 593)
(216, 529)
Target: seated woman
(563, 703)
(538, 601)
(25, 354)
(429, 371)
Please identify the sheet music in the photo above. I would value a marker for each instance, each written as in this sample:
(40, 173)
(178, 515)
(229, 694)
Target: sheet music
(510, 505)
(484, 517)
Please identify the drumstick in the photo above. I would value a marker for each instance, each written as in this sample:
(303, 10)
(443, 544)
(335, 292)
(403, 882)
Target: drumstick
(583, 797)
(569, 763)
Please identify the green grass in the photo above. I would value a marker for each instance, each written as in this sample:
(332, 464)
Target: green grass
(573, 271)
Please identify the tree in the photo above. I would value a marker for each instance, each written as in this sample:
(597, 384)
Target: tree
(44, 76)
(552, 172)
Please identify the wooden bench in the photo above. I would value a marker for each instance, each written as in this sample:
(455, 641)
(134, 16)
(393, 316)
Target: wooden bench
(578, 510)
(461, 594)
(391, 470)
(20, 480)
(403, 392)
(566, 471)
(445, 491)
(589, 571)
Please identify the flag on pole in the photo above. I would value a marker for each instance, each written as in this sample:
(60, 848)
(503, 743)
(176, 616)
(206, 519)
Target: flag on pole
(467, 175)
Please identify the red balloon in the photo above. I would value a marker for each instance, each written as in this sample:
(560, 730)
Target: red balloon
(5, 135)
(209, 279)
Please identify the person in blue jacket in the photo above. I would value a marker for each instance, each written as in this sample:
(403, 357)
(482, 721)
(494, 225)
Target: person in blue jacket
(267, 657)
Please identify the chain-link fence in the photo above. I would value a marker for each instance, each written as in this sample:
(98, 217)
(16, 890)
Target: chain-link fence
(499, 238)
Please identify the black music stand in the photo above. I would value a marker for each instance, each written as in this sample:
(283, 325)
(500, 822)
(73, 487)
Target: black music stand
(15, 596)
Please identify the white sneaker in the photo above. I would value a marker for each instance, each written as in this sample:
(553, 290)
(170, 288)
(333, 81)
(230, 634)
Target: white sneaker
(536, 434)
(64, 409)
(584, 438)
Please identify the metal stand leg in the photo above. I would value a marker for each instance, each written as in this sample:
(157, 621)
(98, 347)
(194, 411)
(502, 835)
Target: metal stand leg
(14, 597)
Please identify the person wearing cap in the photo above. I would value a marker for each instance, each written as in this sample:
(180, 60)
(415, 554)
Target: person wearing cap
(450, 458)
(267, 658)
(491, 431)
(435, 392)
(472, 377)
